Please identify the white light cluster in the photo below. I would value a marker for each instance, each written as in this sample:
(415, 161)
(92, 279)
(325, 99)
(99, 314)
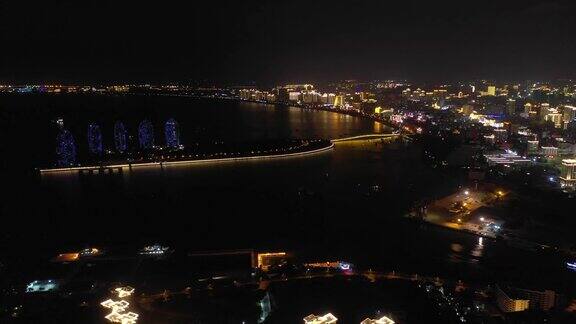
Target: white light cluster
(124, 291)
(118, 313)
(324, 319)
(155, 249)
(382, 320)
(124, 318)
(116, 306)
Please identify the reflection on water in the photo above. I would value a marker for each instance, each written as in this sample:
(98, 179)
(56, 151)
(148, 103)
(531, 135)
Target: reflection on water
(478, 250)
(319, 206)
(471, 254)
(456, 247)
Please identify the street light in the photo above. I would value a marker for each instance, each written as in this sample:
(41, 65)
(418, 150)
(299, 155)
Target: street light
(466, 192)
(481, 219)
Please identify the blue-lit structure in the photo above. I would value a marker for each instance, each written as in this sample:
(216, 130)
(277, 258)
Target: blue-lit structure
(120, 137)
(65, 149)
(94, 139)
(146, 135)
(172, 133)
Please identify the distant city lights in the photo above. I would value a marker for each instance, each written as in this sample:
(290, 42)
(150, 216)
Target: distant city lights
(89, 252)
(155, 249)
(344, 266)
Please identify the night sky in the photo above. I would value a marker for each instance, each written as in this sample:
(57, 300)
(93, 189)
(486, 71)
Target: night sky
(270, 41)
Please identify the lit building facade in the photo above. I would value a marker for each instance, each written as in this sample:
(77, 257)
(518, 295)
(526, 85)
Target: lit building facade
(491, 90)
(511, 107)
(339, 101)
(324, 319)
(508, 304)
(146, 135)
(172, 133)
(549, 151)
(518, 300)
(94, 139)
(533, 146)
(500, 135)
(568, 114)
(120, 137)
(65, 149)
(568, 173)
(544, 110)
(555, 118)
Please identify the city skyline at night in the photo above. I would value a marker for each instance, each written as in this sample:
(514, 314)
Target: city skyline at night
(264, 162)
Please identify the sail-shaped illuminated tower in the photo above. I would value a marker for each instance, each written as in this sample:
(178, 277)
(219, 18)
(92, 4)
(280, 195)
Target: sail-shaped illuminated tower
(172, 133)
(65, 149)
(94, 139)
(120, 137)
(146, 135)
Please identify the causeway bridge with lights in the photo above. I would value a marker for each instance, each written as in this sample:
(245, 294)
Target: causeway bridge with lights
(119, 168)
(122, 167)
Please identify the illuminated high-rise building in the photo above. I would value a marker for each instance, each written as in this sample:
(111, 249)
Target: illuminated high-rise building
(146, 135)
(311, 97)
(555, 118)
(328, 98)
(533, 146)
(568, 173)
(491, 90)
(120, 137)
(65, 149)
(544, 110)
(172, 133)
(571, 131)
(339, 101)
(294, 96)
(568, 114)
(94, 139)
(511, 107)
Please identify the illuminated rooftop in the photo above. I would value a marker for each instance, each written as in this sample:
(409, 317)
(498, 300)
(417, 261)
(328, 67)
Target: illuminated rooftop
(382, 320)
(124, 291)
(324, 319)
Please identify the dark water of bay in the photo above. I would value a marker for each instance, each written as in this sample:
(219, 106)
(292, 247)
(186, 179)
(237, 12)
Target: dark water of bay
(345, 204)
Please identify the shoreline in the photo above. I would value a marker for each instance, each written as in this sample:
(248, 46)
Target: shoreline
(518, 243)
(345, 112)
(317, 108)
